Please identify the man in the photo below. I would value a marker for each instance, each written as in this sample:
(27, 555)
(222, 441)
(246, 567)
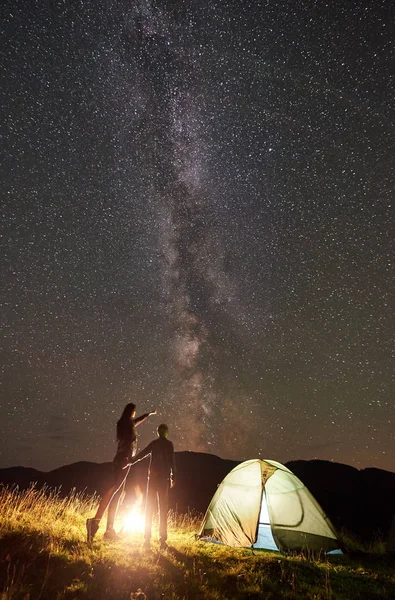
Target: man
(161, 475)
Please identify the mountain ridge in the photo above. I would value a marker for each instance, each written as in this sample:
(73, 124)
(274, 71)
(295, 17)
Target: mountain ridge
(359, 500)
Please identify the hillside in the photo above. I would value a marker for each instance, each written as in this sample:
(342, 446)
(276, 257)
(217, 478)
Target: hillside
(44, 556)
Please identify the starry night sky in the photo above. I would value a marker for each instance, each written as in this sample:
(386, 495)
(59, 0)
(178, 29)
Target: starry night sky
(197, 216)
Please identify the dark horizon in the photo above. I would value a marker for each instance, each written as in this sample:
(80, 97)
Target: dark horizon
(198, 217)
(293, 460)
(298, 464)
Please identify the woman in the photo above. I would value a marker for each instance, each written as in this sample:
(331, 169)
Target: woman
(127, 446)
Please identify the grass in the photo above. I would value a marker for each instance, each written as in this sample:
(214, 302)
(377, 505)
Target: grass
(43, 555)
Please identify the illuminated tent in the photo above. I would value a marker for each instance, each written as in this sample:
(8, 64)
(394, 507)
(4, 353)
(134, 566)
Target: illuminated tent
(262, 504)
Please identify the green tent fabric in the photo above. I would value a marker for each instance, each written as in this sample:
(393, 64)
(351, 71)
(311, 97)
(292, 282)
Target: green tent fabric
(262, 504)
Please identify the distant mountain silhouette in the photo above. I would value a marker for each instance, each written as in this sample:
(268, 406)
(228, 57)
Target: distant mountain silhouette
(362, 502)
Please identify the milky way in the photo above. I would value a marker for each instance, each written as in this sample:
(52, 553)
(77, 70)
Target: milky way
(198, 217)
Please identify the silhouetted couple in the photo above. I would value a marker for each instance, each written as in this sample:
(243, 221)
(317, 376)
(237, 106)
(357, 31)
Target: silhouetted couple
(160, 476)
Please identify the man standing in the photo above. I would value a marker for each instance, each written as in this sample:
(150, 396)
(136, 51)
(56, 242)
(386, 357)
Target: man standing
(161, 475)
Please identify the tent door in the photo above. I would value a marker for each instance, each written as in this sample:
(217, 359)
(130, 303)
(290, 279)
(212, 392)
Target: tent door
(265, 537)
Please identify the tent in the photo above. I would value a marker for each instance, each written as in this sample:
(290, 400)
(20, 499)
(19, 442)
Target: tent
(262, 504)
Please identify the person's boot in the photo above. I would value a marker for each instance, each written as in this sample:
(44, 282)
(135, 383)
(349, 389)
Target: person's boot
(92, 525)
(111, 535)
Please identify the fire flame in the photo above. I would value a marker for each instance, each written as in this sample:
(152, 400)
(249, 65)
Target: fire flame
(134, 520)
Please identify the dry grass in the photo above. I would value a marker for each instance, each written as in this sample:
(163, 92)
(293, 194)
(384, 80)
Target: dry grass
(43, 555)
